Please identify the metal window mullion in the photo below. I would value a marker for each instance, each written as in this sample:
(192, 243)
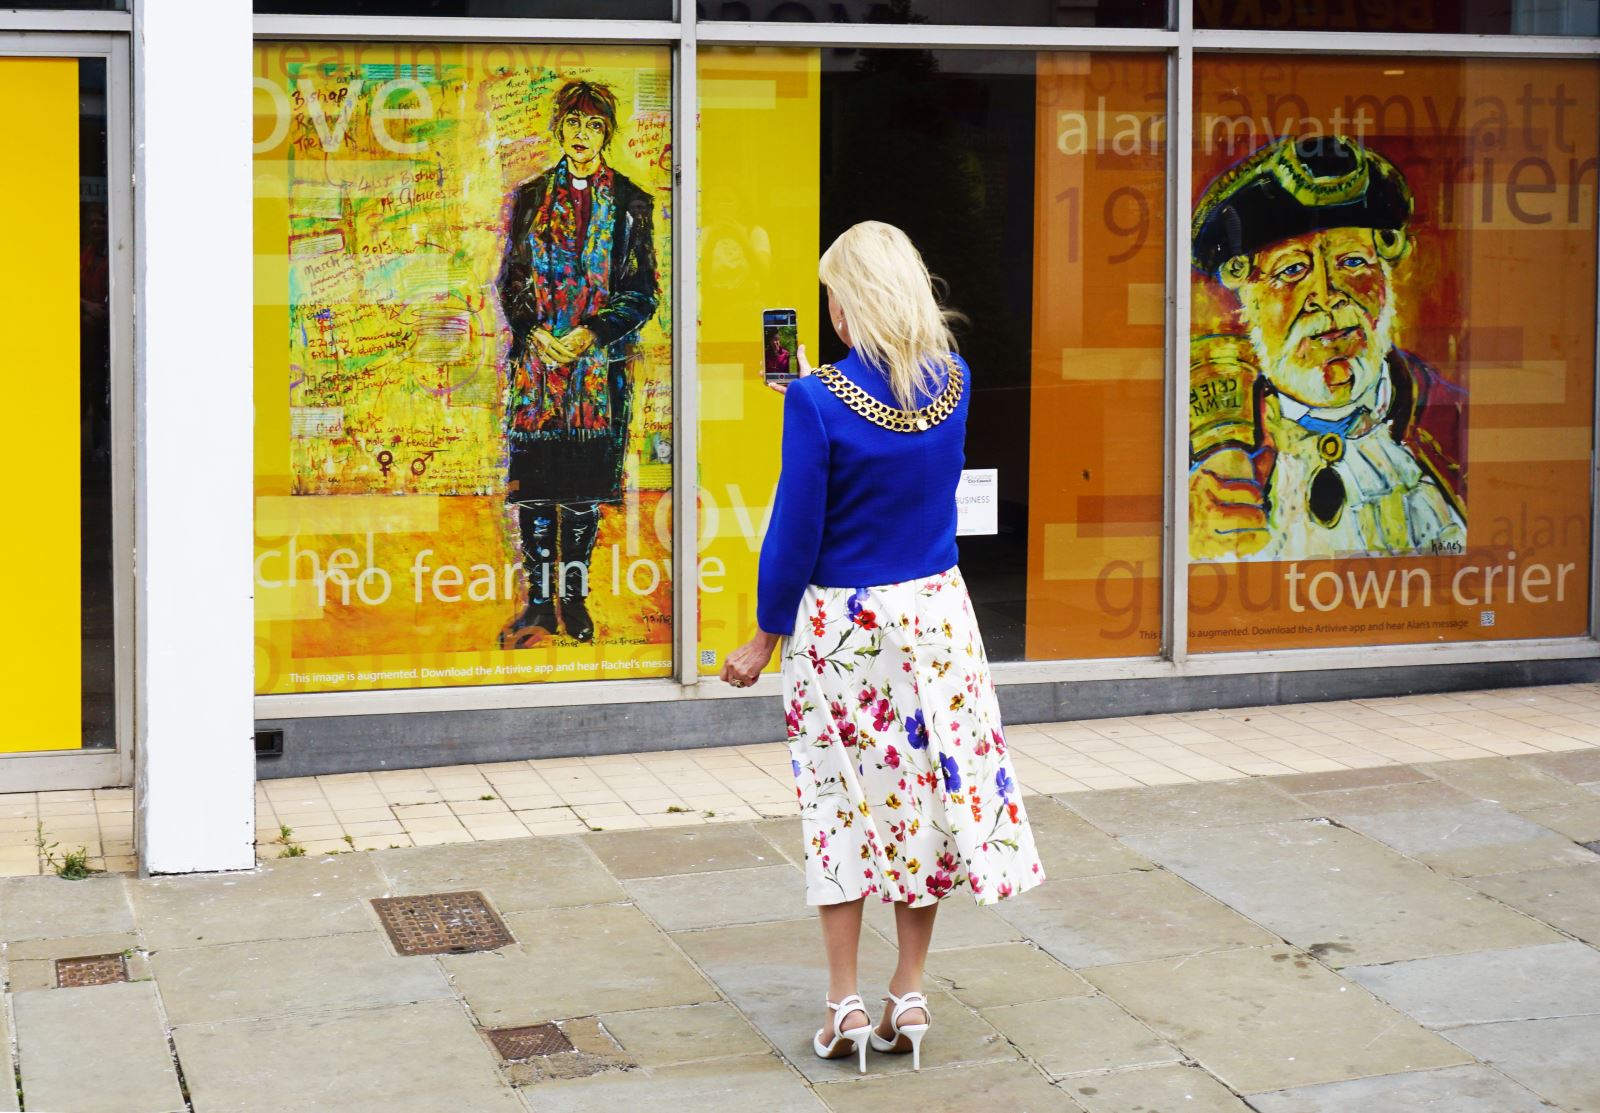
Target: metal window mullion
(1594, 459)
(124, 416)
(1362, 42)
(465, 29)
(935, 35)
(1180, 161)
(686, 372)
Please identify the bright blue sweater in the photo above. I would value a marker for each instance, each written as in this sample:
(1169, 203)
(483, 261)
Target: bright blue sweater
(858, 505)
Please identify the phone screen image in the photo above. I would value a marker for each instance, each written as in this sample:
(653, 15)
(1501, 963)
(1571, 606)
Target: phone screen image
(780, 345)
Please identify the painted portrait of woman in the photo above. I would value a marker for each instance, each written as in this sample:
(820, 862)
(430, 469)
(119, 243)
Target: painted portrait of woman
(577, 283)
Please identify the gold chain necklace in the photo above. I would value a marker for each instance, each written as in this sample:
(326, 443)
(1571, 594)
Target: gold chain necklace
(890, 417)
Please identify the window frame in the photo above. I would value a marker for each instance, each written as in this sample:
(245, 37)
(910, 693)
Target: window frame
(1180, 42)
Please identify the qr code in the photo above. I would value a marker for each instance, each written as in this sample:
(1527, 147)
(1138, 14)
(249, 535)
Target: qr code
(708, 656)
(1485, 618)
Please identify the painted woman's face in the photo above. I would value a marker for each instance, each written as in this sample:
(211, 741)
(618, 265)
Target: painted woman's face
(582, 136)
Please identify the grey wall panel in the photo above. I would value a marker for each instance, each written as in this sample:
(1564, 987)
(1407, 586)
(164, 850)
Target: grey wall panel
(353, 743)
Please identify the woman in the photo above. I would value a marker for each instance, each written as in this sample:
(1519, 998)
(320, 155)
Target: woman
(578, 283)
(906, 791)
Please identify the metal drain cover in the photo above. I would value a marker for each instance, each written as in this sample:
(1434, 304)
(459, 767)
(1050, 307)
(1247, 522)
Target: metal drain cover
(441, 924)
(90, 970)
(518, 1044)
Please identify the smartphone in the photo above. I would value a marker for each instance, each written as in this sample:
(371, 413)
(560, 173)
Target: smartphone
(780, 345)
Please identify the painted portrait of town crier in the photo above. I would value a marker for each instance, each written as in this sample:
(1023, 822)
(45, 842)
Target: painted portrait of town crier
(1312, 435)
(578, 282)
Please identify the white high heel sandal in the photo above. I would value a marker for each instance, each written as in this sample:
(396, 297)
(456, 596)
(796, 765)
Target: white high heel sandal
(907, 1037)
(856, 1037)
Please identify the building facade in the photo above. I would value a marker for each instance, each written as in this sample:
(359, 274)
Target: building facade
(367, 388)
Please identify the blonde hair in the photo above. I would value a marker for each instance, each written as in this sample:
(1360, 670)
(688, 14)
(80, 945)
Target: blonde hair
(878, 277)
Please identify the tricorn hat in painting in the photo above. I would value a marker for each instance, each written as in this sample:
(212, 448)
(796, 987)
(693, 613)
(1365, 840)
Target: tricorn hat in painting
(1295, 186)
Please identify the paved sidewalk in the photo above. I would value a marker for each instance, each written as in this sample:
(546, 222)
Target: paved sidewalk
(466, 803)
(1389, 939)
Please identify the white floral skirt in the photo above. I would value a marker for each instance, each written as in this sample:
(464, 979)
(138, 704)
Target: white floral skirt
(899, 758)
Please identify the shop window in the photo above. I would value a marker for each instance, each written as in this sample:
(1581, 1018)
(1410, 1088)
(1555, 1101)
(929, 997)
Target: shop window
(1035, 186)
(1013, 13)
(463, 364)
(1392, 394)
(58, 670)
(1464, 17)
(520, 9)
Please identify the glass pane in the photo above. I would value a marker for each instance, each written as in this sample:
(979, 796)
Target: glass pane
(1469, 17)
(1391, 404)
(57, 674)
(1034, 185)
(1012, 13)
(523, 9)
(464, 364)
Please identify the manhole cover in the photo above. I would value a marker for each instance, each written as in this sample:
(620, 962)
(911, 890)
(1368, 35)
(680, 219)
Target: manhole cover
(441, 923)
(518, 1044)
(90, 970)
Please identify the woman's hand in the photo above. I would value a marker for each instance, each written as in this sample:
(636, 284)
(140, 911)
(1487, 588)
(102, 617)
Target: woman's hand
(805, 369)
(551, 350)
(744, 665)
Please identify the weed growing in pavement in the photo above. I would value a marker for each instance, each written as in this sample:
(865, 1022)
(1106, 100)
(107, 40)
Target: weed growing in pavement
(673, 809)
(72, 866)
(291, 849)
(350, 841)
(487, 796)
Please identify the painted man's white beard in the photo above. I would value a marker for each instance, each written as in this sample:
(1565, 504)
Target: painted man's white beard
(1369, 366)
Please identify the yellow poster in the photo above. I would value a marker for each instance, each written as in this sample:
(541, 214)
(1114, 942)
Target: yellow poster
(760, 127)
(463, 364)
(41, 674)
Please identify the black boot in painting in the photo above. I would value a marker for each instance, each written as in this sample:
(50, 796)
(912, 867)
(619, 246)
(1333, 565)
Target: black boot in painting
(579, 526)
(537, 524)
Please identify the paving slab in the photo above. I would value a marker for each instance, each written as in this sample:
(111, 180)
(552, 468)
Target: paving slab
(776, 975)
(1553, 1058)
(575, 962)
(1070, 846)
(1475, 1089)
(1078, 1034)
(1009, 974)
(962, 922)
(8, 1090)
(50, 907)
(1127, 917)
(31, 964)
(1406, 797)
(1155, 1090)
(683, 1034)
(1578, 822)
(292, 898)
(1272, 1019)
(721, 897)
(1338, 894)
(1574, 766)
(1128, 811)
(401, 1059)
(1513, 785)
(517, 875)
(1568, 899)
(1470, 839)
(1301, 784)
(1527, 983)
(753, 1082)
(661, 852)
(960, 1089)
(785, 836)
(276, 977)
(95, 1049)
(593, 1050)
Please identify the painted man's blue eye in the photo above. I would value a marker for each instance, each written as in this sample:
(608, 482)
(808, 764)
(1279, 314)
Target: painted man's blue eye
(1355, 261)
(1293, 270)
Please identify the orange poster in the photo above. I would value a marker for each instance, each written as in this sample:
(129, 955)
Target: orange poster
(1392, 364)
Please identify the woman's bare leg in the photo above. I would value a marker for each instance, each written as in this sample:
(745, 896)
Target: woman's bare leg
(913, 929)
(841, 938)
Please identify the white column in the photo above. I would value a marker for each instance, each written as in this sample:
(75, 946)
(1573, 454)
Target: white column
(194, 758)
